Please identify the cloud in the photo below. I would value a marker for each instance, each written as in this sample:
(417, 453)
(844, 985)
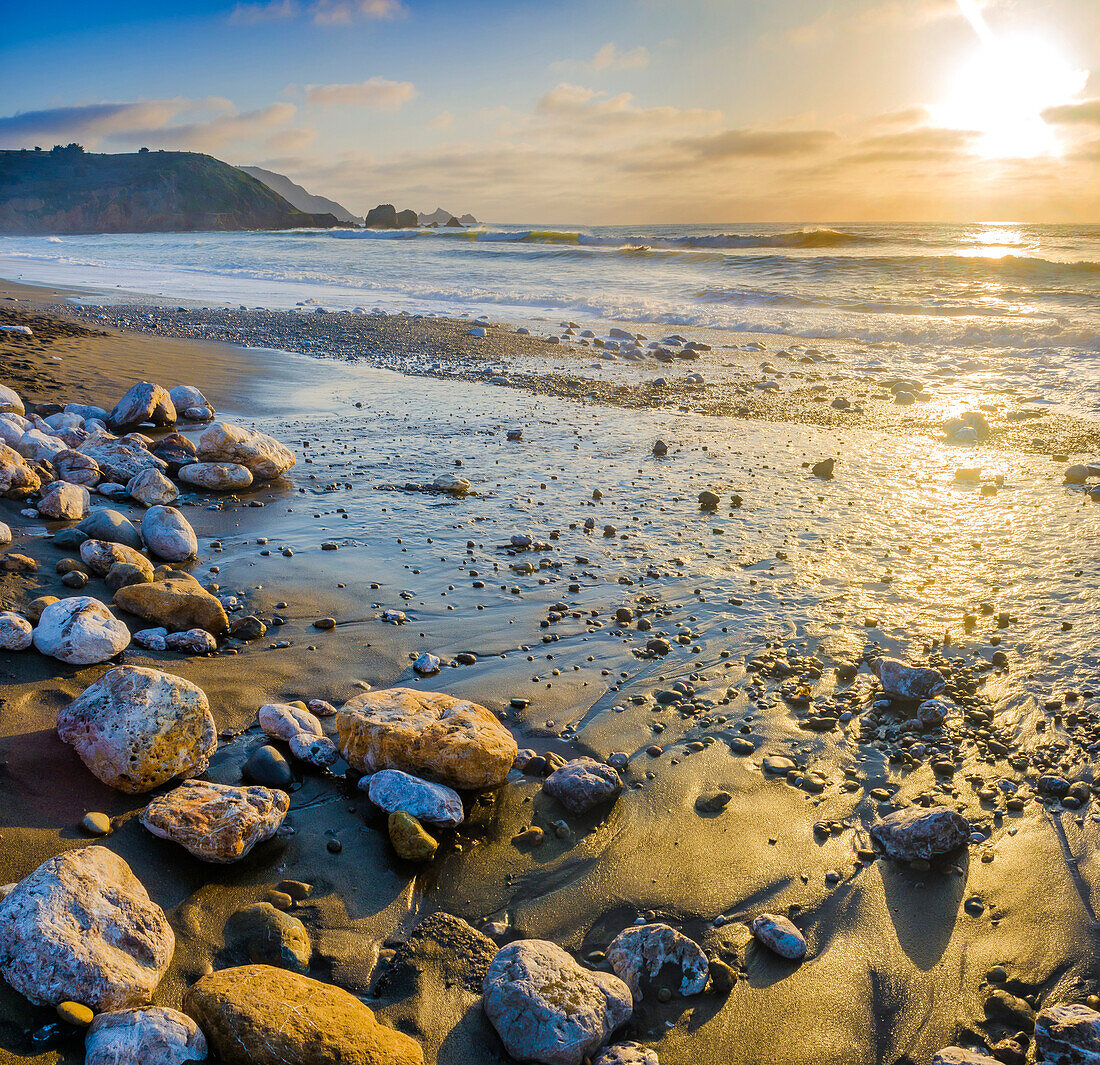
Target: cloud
(323, 12)
(375, 94)
(879, 16)
(212, 134)
(732, 143)
(609, 57)
(924, 144)
(88, 121)
(1087, 112)
(593, 112)
(290, 140)
(444, 120)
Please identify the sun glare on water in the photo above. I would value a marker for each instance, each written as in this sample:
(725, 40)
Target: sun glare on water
(1002, 92)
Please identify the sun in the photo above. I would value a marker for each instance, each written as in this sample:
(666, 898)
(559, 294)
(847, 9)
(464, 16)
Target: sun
(1002, 92)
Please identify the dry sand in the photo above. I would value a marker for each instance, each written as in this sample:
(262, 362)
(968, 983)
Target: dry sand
(898, 956)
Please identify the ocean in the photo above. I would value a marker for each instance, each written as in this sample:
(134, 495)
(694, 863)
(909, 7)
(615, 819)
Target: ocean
(993, 294)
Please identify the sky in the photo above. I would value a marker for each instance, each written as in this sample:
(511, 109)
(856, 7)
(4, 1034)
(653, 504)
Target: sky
(593, 112)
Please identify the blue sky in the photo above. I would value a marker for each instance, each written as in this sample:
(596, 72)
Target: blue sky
(615, 110)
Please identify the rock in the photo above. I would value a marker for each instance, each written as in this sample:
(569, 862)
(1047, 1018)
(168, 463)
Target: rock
(119, 462)
(137, 728)
(262, 455)
(36, 446)
(546, 1008)
(249, 627)
(178, 603)
(191, 404)
(216, 822)
(13, 562)
(626, 1054)
(101, 556)
(191, 642)
(16, 632)
(76, 468)
(824, 469)
(643, 950)
(583, 783)
(5, 535)
(931, 713)
(708, 499)
(266, 765)
(409, 838)
(63, 501)
(271, 937)
(80, 631)
(384, 216)
(10, 403)
(216, 476)
(263, 1015)
(96, 824)
(176, 451)
(428, 734)
(82, 928)
(426, 665)
(151, 488)
(908, 682)
(168, 535)
(153, 1035)
(17, 479)
(434, 804)
(36, 606)
(451, 484)
(660, 449)
(779, 935)
(917, 833)
(144, 402)
(106, 524)
(959, 1056)
(282, 721)
(151, 639)
(75, 1013)
(318, 751)
(1067, 1035)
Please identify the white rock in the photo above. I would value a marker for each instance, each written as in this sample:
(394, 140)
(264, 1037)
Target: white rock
(144, 402)
(151, 639)
(154, 1035)
(448, 482)
(80, 631)
(283, 722)
(189, 400)
(35, 446)
(10, 403)
(12, 428)
(644, 950)
(152, 488)
(263, 455)
(168, 534)
(318, 751)
(216, 476)
(76, 468)
(434, 804)
(63, 501)
(119, 461)
(82, 928)
(191, 641)
(426, 664)
(5, 535)
(16, 632)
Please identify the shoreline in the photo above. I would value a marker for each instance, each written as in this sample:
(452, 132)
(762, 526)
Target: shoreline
(905, 963)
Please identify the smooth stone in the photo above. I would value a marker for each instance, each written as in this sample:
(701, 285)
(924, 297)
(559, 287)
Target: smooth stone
(426, 665)
(318, 751)
(262, 455)
(434, 804)
(106, 524)
(5, 535)
(779, 935)
(80, 631)
(16, 632)
(547, 1008)
(100, 556)
(75, 1013)
(123, 574)
(918, 833)
(271, 937)
(644, 950)
(908, 682)
(62, 501)
(168, 534)
(428, 734)
(216, 822)
(10, 403)
(76, 468)
(582, 784)
(82, 928)
(191, 642)
(187, 398)
(96, 824)
(178, 603)
(264, 1015)
(266, 765)
(216, 476)
(283, 721)
(410, 839)
(961, 1056)
(151, 488)
(141, 403)
(176, 451)
(137, 728)
(68, 538)
(152, 1035)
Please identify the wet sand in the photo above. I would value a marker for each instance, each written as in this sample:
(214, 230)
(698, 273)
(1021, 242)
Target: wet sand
(893, 551)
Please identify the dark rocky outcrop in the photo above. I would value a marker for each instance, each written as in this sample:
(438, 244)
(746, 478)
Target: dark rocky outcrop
(407, 220)
(70, 191)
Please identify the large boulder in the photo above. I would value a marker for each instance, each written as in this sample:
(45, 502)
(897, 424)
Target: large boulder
(434, 804)
(916, 833)
(76, 468)
(12, 428)
(216, 822)
(429, 734)
(151, 488)
(644, 950)
(384, 216)
(264, 1015)
(262, 455)
(100, 555)
(150, 1035)
(1067, 1035)
(168, 534)
(191, 404)
(17, 478)
(549, 1009)
(107, 524)
(216, 476)
(63, 501)
(138, 728)
(583, 783)
(178, 603)
(10, 403)
(144, 402)
(176, 450)
(119, 461)
(81, 928)
(37, 446)
(80, 631)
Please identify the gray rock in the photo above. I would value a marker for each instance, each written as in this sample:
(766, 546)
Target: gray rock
(318, 751)
(270, 937)
(119, 462)
(63, 501)
(106, 524)
(908, 682)
(583, 783)
(168, 534)
(643, 950)
(1067, 1035)
(80, 631)
(151, 639)
(190, 403)
(267, 766)
(16, 632)
(81, 928)
(627, 1054)
(76, 468)
(434, 804)
(216, 476)
(5, 535)
(282, 721)
(151, 488)
(548, 1009)
(779, 935)
(143, 402)
(191, 641)
(263, 455)
(153, 1035)
(917, 833)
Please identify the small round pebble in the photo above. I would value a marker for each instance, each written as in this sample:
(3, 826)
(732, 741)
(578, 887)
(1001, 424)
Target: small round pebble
(96, 824)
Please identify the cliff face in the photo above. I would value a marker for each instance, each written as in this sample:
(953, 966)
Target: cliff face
(69, 191)
(299, 197)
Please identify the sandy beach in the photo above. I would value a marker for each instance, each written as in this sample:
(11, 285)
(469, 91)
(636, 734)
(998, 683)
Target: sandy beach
(723, 652)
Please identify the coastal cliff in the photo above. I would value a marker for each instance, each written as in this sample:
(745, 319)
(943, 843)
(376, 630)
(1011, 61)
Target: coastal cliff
(70, 191)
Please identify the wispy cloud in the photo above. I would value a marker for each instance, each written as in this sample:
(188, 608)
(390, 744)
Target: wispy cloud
(1087, 112)
(375, 94)
(88, 121)
(323, 12)
(610, 57)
